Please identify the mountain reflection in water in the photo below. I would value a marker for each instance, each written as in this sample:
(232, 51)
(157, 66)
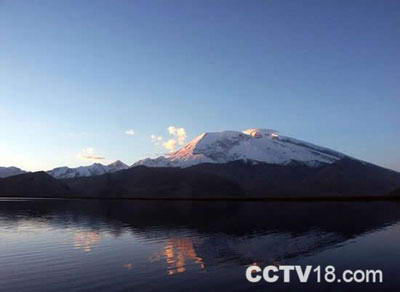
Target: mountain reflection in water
(84, 245)
(86, 240)
(178, 252)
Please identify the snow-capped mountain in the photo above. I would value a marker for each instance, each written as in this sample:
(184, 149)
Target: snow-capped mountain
(91, 170)
(10, 171)
(258, 145)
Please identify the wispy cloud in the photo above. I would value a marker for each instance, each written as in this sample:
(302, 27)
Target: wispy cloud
(156, 140)
(130, 132)
(89, 154)
(178, 138)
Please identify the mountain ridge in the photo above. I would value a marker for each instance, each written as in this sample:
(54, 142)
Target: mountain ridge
(344, 179)
(84, 171)
(253, 164)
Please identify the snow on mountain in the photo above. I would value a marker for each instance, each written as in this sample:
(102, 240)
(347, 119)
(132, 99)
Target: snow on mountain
(83, 171)
(258, 145)
(10, 171)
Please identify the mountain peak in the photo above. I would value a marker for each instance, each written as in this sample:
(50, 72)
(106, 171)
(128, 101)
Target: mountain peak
(117, 165)
(255, 144)
(96, 164)
(257, 132)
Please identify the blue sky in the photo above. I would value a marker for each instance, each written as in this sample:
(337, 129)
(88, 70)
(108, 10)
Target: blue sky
(78, 74)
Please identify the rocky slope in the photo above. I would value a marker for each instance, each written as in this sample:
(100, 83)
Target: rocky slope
(33, 184)
(346, 178)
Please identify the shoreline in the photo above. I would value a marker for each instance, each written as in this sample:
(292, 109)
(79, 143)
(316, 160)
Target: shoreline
(240, 199)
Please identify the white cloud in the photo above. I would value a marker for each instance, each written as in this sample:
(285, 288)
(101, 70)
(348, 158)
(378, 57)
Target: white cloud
(130, 132)
(89, 154)
(178, 138)
(170, 145)
(178, 133)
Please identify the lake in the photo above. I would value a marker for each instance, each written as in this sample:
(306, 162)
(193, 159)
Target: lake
(94, 245)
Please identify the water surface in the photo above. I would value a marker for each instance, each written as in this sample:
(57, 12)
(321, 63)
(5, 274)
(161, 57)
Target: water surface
(90, 245)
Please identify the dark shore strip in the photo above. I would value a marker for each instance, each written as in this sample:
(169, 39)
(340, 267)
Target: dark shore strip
(265, 199)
